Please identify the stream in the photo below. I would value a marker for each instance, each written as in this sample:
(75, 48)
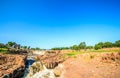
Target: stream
(35, 69)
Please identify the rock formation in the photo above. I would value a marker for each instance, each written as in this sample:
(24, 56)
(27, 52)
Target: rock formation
(51, 59)
(34, 68)
(12, 66)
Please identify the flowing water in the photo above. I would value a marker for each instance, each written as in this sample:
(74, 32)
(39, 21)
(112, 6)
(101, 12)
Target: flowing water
(30, 60)
(37, 69)
(46, 73)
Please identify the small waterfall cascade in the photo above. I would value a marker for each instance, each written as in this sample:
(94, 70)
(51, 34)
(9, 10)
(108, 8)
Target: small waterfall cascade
(35, 69)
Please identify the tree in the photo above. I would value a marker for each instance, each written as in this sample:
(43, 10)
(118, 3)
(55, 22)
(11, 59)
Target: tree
(24, 47)
(117, 43)
(56, 48)
(107, 45)
(37, 48)
(97, 46)
(82, 45)
(64, 48)
(10, 43)
(100, 44)
(2, 45)
(75, 47)
(32, 48)
(89, 47)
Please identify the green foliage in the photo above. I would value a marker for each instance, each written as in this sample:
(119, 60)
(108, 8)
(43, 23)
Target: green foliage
(3, 48)
(89, 47)
(73, 53)
(2, 45)
(75, 47)
(107, 45)
(32, 48)
(103, 45)
(37, 48)
(82, 45)
(97, 46)
(100, 44)
(24, 47)
(10, 43)
(60, 48)
(64, 48)
(117, 43)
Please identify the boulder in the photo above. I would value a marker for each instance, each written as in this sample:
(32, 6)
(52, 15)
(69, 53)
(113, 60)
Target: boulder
(58, 70)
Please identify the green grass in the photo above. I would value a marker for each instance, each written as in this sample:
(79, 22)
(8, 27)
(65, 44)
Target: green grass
(101, 50)
(3, 50)
(72, 54)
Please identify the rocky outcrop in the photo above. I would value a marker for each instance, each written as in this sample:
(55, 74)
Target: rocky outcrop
(18, 51)
(51, 59)
(12, 66)
(92, 65)
(110, 57)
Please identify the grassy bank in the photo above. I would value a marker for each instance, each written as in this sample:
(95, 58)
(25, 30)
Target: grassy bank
(3, 50)
(75, 53)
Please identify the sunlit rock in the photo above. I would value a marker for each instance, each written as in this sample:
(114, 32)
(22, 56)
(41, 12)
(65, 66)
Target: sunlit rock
(34, 68)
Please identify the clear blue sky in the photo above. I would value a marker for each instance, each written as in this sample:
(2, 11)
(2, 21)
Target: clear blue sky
(55, 23)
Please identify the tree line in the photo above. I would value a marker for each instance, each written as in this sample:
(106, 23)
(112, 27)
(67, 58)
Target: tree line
(80, 46)
(83, 45)
(15, 45)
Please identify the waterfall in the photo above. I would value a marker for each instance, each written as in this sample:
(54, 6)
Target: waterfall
(46, 73)
(37, 69)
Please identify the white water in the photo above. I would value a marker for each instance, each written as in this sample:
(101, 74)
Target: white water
(38, 52)
(45, 73)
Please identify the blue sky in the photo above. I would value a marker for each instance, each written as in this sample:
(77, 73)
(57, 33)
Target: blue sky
(56, 23)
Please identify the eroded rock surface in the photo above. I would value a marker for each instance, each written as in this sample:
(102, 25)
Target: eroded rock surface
(92, 65)
(12, 66)
(51, 59)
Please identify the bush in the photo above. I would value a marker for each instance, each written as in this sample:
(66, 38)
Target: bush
(107, 45)
(117, 43)
(97, 47)
(89, 47)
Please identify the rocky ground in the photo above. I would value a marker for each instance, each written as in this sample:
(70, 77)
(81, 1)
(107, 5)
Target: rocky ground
(12, 66)
(90, 65)
(53, 65)
(85, 65)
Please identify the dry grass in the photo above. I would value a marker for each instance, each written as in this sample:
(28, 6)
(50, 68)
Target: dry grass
(75, 53)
